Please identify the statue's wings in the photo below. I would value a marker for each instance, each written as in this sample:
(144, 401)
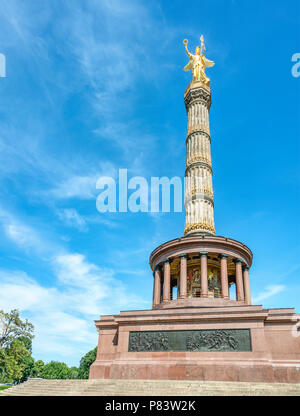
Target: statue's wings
(207, 62)
(189, 65)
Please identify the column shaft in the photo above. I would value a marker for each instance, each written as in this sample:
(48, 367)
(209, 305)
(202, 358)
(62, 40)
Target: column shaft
(246, 285)
(224, 277)
(157, 286)
(198, 147)
(183, 276)
(167, 281)
(239, 280)
(204, 282)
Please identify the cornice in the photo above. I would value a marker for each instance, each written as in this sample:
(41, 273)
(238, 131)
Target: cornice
(210, 243)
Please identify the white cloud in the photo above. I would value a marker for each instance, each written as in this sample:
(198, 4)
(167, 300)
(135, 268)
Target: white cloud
(91, 287)
(268, 292)
(62, 310)
(20, 234)
(82, 187)
(27, 237)
(72, 218)
(73, 269)
(100, 219)
(20, 291)
(49, 309)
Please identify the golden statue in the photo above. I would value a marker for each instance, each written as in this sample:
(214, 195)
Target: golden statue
(198, 63)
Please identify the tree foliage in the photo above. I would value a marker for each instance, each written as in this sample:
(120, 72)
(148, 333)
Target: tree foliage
(74, 372)
(57, 370)
(12, 327)
(28, 362)
(85, 363)
(38, 368)
(13, 361)
(16, 336)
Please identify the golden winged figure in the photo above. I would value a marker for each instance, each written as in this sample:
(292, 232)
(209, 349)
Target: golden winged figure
(198, 62)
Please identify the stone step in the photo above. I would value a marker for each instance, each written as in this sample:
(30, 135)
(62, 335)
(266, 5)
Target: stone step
(149, 382)
(152, 388)
(149, 388)
(144, 389)
(158, 391)
(164, 386)
(173, 391)
(174, 387)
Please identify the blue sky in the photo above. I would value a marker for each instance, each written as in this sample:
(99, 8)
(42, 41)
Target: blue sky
(95, 86)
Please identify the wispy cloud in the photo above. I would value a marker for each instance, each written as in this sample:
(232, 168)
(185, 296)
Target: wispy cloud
(27, 237)
(268, 292)
(116, 62)
(73, 219)
(83, 187)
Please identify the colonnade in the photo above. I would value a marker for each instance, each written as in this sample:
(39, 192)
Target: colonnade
(163, 271)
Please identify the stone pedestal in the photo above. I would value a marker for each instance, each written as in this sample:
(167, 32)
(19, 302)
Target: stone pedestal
(229, 343)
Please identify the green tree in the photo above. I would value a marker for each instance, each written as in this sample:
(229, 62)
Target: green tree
(13, 361)
(16, 336)
(27, 343)
(28, 359)
(28, 368)
(12, 327)
(56, 370)
(38, 368)
(74, 372)
(85, 363)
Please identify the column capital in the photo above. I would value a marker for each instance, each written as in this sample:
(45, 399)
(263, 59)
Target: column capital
(203, 253)
(246, 267)
(184, 255)
(223, 256)
(157, 267)
(237, 261)
(167, 260)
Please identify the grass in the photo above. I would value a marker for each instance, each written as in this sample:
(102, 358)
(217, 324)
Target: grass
(4, 387)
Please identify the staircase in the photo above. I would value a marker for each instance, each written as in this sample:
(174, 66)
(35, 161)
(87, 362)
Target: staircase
(39, 387)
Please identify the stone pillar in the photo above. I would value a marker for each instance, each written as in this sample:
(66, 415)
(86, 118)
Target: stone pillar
(239, 279)
(246, 284)
(157, 285)
(167, 280)
(224, 276)
(153, 290)
(183, 275)
(204, 282)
